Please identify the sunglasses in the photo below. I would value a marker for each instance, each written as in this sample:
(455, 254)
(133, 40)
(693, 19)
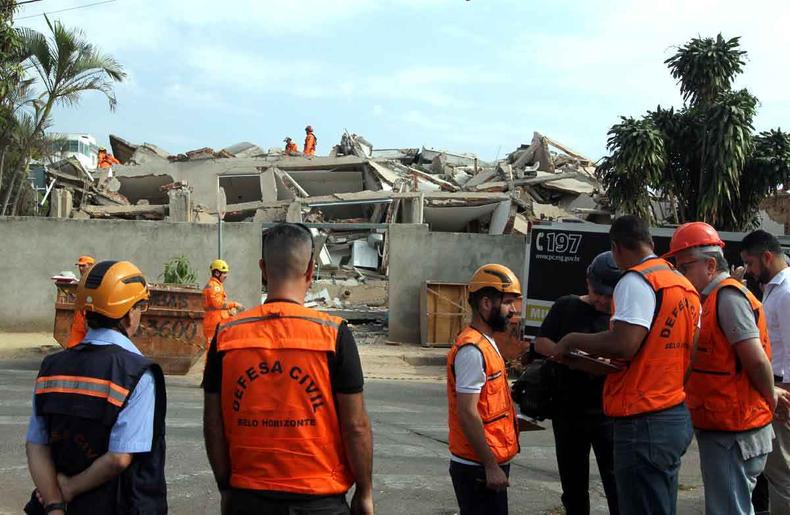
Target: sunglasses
(684, 267)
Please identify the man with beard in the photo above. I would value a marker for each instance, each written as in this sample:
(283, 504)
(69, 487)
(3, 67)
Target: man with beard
(765, 261)
(482, 419)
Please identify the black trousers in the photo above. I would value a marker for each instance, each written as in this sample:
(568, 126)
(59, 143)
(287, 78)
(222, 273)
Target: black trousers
(469, 483)
(249, 502)
(574, 435)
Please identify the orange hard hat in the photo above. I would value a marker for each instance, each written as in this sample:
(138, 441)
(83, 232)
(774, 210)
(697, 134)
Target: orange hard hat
(693, 234)
(85, 260)
(309, 128)
(111, 288)
(498, 277)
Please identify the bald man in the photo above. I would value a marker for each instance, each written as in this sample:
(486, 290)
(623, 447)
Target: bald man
(285, 424)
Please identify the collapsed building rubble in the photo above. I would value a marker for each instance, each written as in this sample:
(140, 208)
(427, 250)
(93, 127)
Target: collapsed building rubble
(350, 196)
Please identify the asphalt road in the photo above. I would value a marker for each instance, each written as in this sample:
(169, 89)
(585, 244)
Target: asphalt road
(411, 460)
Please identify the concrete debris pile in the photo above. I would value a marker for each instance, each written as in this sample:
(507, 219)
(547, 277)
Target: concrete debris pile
(75, 190)
(349, 199)
(356, 188)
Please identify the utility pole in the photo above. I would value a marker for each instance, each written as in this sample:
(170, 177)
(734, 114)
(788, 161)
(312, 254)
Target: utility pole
(221, 206)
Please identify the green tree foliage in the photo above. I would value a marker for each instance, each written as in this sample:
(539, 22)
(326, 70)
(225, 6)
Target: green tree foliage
(56, 69)
(703, 160)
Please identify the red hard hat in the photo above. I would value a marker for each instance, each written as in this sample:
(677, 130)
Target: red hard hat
(693, 234)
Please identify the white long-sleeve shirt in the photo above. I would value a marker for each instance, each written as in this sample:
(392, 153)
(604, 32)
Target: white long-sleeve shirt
(776, 301)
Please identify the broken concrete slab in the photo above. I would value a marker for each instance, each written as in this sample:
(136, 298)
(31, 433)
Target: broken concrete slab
(179, 205)
(148, 153)
(149, 212)
(521, 224)
(290, 183)
(404, 155)
(455, 219)
(386, 175)
(444, 185)
(122, 149)
(244, 149)
(569, 182)
(485, 175)
(500, 218)
(427, 155)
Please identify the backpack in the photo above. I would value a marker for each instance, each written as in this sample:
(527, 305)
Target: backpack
(533, 390)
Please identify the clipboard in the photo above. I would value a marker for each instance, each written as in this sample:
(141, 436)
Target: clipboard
(582, 361)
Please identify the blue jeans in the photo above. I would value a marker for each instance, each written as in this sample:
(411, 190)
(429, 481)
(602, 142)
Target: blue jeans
(647, 452)
(729, 479)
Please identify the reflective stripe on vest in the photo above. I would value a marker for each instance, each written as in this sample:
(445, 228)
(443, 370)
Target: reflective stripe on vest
(278, 406)
(80, 385)
(653, 379)
(495, 405)
(81, 392)
(721, 396)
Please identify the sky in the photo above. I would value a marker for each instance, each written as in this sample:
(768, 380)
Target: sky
(463, 76)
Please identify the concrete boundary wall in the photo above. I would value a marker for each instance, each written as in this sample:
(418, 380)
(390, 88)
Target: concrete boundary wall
(34, 249)
(417, 255)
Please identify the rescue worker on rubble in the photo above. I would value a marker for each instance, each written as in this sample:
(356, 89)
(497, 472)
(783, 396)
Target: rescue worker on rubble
(285, 424)
(290, 147)
(481, 415)
(96, 439)
(310, 141)
(215, 303)
(730, 392)
(79, 327)
(105, 160)
(654, 327)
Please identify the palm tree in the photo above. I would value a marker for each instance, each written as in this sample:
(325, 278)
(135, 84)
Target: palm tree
(67, 66)
(703, 159)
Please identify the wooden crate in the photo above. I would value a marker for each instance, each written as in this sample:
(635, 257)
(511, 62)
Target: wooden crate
(444, 311)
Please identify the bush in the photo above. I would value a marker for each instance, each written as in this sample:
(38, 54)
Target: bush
(178, 271)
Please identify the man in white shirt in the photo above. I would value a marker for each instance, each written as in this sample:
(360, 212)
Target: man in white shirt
(481, 416)
(656, 316)
(765, 261)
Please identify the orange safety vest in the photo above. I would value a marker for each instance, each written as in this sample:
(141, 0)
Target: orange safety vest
(107, 160)
(79, 328)
(291, 148)
(278, 408)
(213, 302)
(721, 396)
(495, 405)
(309, 144)
(653, 380)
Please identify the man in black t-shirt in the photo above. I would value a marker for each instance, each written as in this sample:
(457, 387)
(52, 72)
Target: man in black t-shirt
(577, 408)
(285, 424)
